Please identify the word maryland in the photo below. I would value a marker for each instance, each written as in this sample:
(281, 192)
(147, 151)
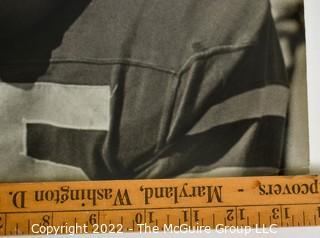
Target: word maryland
(118, 196)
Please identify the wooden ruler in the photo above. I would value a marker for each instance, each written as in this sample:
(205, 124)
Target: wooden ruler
(154, 205)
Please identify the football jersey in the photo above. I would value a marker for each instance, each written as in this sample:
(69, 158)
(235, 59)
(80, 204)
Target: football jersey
(118, 89)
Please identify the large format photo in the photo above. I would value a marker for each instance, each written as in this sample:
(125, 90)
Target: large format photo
(135, 89)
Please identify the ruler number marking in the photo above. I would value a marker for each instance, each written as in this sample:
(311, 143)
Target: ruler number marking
(93, 219)
(230, 215)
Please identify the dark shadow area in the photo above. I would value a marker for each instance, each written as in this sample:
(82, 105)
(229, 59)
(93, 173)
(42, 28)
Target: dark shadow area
(25, 53)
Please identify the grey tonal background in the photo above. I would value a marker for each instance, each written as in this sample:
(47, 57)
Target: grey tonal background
(289, 19)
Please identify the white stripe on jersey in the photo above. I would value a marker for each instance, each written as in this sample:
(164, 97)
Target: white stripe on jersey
(67, 106)
(257, 103)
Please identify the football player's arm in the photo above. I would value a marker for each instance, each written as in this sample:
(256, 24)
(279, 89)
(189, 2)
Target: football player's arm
(229, 116)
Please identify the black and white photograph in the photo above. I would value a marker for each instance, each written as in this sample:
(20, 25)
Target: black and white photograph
(152, 89)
